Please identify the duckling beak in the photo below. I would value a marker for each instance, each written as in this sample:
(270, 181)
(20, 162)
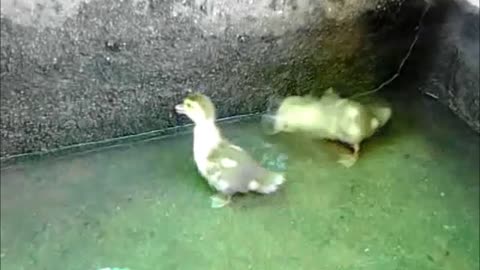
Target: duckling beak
(180, 109)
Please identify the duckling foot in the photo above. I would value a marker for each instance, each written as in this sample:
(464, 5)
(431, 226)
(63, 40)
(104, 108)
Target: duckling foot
(347, 160)
(219, 200)
(350, 160)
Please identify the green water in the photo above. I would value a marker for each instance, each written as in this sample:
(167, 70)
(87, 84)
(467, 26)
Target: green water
(411, 202)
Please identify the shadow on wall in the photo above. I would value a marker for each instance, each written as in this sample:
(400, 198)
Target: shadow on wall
(82, 71)
(445, 62)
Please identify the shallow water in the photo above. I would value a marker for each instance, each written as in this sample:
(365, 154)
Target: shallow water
(410, 202)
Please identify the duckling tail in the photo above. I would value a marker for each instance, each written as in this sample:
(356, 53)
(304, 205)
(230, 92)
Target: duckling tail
(269, 184)
(383, 114)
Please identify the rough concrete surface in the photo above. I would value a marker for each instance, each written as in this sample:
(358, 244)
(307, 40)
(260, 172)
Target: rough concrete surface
(86, 71)
(452, 74)
(90, 70)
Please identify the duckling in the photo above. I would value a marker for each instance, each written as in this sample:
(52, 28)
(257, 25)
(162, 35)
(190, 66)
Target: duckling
(226, 167)
(331, 117)
(354, 122)
(295, 114)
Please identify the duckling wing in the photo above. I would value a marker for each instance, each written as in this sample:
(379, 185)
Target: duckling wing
(236, 170)
(354, 122)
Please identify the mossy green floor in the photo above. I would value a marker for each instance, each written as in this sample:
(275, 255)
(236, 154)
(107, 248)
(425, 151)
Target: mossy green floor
(411, 202)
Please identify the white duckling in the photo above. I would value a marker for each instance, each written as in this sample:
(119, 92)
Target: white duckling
(331, 117)
(227, 168)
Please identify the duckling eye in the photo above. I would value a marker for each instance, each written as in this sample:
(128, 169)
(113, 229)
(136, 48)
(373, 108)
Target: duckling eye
(188, 105)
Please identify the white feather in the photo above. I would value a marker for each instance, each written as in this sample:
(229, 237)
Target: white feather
(254, 185)
(352, 112)
(206, 138)
(222, 185)
(228, 163)
(236, 147)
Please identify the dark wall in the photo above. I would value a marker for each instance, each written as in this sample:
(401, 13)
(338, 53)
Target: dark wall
(446, 59)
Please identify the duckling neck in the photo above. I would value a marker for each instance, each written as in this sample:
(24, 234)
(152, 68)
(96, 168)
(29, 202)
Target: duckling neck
(206, 136)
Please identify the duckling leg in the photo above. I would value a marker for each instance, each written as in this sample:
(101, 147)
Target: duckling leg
(349, 160)
(220, 200)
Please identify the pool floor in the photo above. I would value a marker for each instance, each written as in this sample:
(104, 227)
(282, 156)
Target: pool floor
(410, 202)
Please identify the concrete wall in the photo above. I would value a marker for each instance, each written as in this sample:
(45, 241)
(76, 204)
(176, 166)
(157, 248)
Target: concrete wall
(446, 59)
(81, 71)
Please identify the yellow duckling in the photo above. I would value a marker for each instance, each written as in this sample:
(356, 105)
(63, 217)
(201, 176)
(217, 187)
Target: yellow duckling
(227, 168)
(331, 117)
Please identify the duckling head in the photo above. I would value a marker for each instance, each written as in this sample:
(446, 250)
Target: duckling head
(198, 107)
